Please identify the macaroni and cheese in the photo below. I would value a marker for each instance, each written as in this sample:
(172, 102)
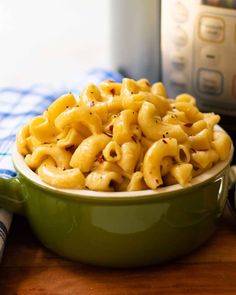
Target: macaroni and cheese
(122, 136)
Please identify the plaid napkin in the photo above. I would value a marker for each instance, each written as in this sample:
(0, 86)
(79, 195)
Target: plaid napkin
(17, 106)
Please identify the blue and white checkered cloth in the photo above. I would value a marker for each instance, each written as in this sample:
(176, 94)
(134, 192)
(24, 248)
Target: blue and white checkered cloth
(17, 106)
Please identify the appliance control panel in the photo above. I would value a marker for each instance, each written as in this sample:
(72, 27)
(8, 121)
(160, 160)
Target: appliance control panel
(198, 48)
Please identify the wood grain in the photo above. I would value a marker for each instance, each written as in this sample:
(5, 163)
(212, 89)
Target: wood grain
(30, 269)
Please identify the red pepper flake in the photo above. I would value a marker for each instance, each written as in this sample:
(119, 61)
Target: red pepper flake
(67, 107)
(193, 150)
(157, 181)
(111, 128)
(131, 92)
(68, 148)
(134, 137)
(164, 141)
(196, 168)
(100, 158)
(188, 125)
(113, 91)
(163, 135)
(92, 103)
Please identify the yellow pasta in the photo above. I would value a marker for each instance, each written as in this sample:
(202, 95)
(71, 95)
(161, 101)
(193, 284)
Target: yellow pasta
(166, 165)
(137, 182)
(205, 158)
(71, 139)
(122, 126)
(194, 128)
(153, 127)
(110, 88)
(42, 152)
(153, 158)
(84, 115)
(183, 155)
(159, 89)
(125, 136)
(103, 180)
(41, 128)
(112, 152)
(185, 97)
(60, 105)
(130, 153)
(182, 173)
(222, 144)
(21, 140)
(191, 111)
(32, 143)
(85, 155)
(201, 141)
(55, 176)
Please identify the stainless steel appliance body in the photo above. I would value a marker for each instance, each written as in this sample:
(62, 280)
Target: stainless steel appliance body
(188, 44)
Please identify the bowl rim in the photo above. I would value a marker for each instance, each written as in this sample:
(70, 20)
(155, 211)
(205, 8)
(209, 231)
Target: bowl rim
(207, 176)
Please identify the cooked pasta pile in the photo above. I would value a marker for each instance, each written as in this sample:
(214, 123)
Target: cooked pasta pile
(122, 137)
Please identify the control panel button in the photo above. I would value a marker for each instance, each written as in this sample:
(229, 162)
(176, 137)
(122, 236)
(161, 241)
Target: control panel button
(180, 37)
(178, 60)
(210, 82)
(180, 12)
(211, 29)
(210, 56)
(179, 81)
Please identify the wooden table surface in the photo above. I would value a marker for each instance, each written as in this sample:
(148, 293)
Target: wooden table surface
(30, 269)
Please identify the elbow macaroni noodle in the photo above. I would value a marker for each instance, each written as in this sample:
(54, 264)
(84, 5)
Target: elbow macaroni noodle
(122, 136)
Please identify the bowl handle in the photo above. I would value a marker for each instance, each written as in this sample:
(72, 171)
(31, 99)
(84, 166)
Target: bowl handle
(11, 197)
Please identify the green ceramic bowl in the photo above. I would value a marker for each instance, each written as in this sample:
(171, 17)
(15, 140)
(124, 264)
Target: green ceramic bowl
(121, 229)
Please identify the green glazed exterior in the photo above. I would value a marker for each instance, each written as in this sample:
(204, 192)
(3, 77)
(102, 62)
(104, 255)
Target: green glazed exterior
(120, 232)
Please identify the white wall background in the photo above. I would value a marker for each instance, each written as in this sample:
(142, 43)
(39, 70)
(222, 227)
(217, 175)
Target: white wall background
(49, 41)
